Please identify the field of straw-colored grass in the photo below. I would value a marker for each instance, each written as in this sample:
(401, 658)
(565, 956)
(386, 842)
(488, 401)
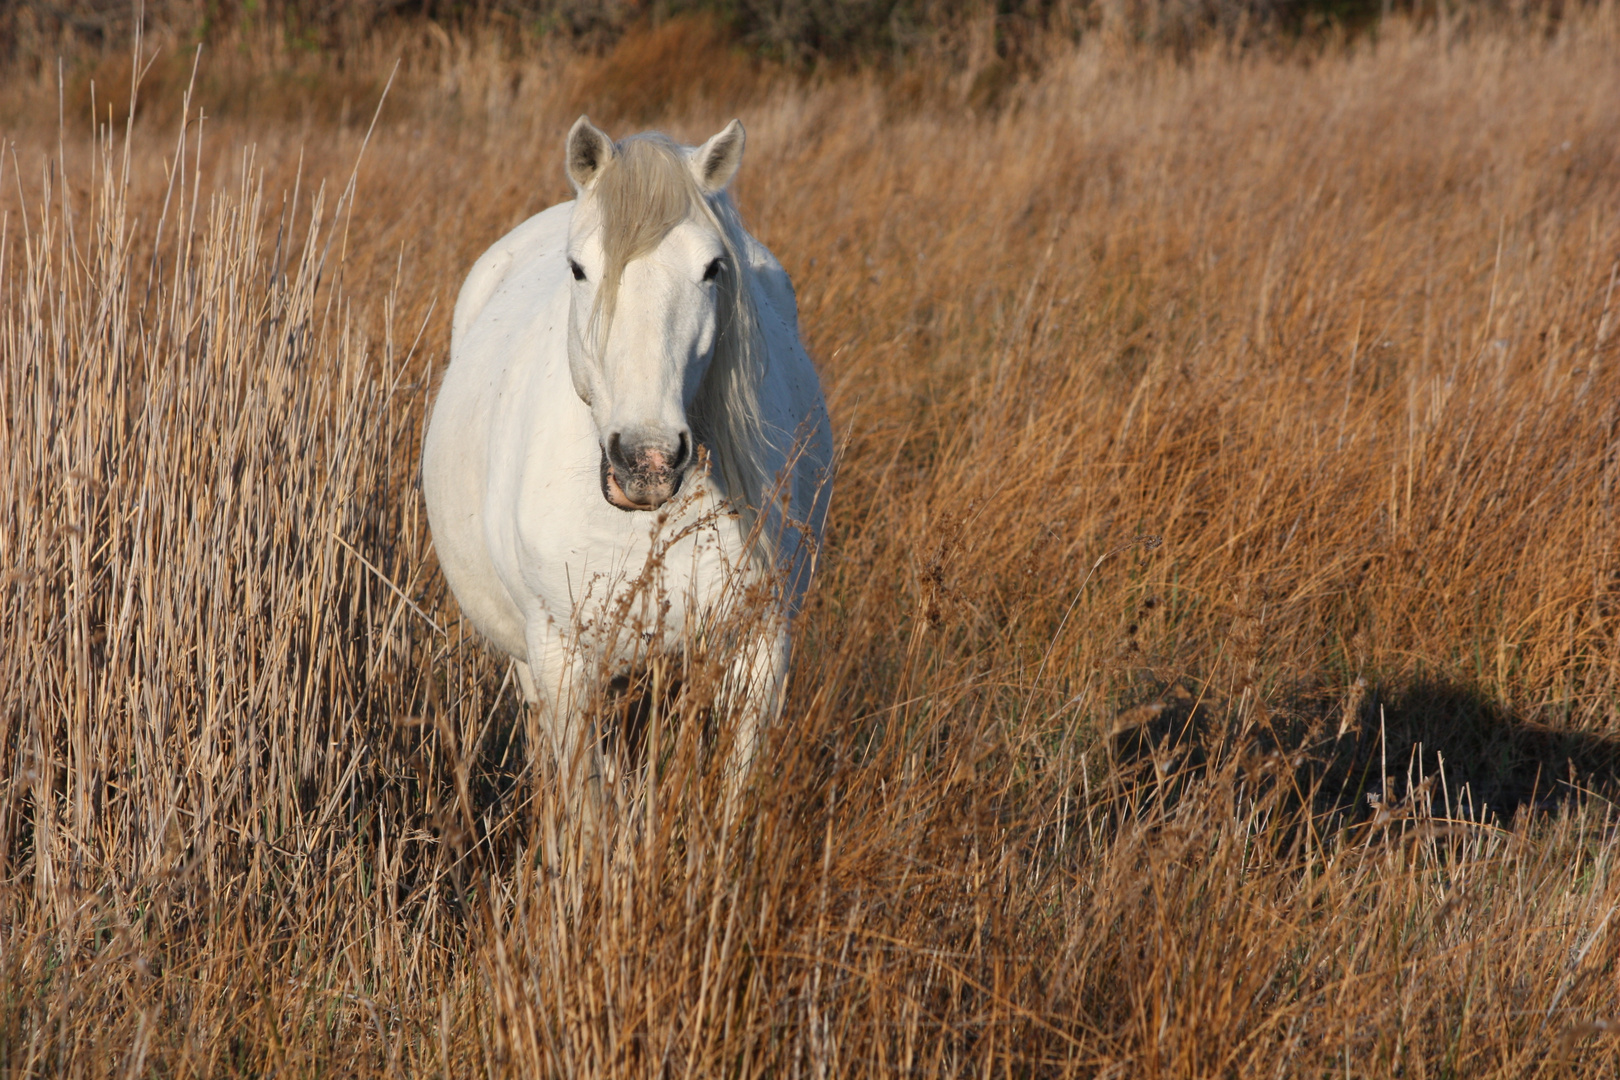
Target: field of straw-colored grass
(1213, 669)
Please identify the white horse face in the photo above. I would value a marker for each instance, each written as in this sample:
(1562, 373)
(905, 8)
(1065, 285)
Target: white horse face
(641, 381)
(648, 266)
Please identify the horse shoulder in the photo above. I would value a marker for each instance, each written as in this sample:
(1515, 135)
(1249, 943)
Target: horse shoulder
(465, 451)
(537, 237)
(774, 286)
(794, 389)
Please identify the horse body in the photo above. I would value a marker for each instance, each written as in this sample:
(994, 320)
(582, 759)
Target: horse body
(576, 474)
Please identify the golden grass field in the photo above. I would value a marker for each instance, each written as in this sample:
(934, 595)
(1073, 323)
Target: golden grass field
(1214, 668)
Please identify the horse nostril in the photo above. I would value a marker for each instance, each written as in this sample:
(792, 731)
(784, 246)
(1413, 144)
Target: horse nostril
(682, 451)
(615, 454)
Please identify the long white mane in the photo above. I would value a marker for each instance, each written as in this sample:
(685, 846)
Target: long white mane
(645, 192)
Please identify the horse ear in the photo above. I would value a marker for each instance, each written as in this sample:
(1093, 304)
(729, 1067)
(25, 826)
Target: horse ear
(589, 151)
(715, 162)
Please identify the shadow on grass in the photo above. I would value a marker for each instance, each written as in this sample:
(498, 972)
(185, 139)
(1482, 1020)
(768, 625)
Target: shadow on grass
(1510, 763)
(1449, 744)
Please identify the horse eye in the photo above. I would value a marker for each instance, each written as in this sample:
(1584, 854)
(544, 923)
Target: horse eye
(711, 271)
(579, 271)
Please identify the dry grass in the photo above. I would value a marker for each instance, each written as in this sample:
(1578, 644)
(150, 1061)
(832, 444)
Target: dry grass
(1227, 441)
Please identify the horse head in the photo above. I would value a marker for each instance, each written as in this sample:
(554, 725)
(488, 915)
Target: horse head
(656, 282)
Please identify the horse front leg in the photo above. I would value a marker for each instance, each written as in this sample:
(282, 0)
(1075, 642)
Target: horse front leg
(559, 680)
(755, 680)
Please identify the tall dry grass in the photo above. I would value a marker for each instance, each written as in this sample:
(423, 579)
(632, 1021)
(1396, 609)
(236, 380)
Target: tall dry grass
(1212, 670)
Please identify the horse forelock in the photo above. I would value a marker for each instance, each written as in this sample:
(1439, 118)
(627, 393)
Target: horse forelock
(641, 196)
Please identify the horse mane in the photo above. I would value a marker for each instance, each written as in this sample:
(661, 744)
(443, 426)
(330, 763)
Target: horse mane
(645, 192)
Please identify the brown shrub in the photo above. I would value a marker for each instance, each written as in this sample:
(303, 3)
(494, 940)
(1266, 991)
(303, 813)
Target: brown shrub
(656, 70)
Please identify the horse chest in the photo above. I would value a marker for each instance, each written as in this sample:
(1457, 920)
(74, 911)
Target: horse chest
(618, 580)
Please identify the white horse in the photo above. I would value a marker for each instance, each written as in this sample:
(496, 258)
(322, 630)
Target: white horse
(630, 440)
